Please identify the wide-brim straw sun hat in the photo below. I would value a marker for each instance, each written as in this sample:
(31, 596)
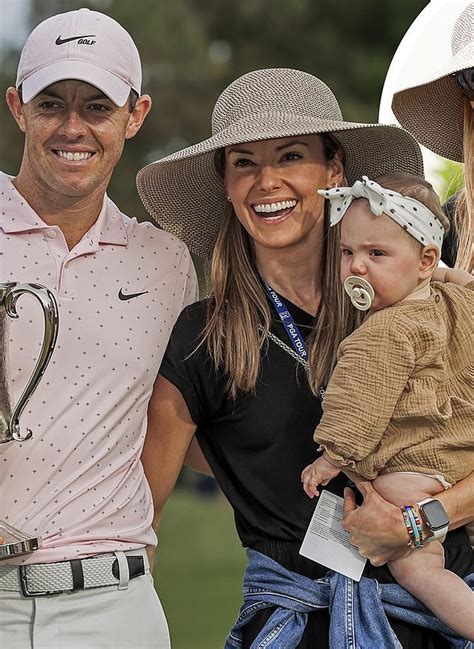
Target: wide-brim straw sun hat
(185, 193)
(430, 104)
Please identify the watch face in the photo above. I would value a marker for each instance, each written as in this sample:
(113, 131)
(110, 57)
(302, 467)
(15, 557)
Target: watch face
(434, 515)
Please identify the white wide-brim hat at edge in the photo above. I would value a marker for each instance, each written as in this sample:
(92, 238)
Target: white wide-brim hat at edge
(427, 100)
(185, 193)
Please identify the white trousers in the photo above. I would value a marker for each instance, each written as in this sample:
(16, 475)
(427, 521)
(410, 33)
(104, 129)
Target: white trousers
(98, 618)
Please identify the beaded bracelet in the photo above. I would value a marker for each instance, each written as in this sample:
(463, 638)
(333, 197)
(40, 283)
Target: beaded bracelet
(413, 525)
(409, 526)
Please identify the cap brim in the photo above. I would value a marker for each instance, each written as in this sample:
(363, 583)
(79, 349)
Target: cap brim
(185, 194)
(112, 86)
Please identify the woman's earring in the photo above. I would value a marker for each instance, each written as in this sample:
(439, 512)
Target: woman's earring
(335, 186)
(229, 198)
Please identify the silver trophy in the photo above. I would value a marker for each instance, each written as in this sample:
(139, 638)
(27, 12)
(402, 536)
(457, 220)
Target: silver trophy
(13, 541)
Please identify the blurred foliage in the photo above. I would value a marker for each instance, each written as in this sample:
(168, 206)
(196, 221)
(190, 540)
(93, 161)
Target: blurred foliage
(451, 179)
(192, 49)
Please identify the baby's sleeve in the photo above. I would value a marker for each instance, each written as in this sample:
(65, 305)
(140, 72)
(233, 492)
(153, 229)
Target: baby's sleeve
(373, 369)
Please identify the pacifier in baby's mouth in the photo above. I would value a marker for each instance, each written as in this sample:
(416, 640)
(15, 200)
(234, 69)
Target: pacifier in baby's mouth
(360, 292)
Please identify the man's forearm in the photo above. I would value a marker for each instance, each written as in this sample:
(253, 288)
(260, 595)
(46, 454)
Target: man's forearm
(169, 434)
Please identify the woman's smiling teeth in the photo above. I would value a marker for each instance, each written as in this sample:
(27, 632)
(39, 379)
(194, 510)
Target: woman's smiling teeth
(76, 155)
(274, 209)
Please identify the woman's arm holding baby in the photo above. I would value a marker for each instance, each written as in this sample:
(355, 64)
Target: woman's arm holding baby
(453, 275)
(377, 528)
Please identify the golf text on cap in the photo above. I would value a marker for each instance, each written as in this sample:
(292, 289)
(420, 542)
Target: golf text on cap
(82, 40)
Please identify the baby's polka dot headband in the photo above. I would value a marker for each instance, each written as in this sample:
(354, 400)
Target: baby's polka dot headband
(410, 214)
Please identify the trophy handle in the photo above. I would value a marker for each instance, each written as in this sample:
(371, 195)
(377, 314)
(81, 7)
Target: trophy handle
(51, 320)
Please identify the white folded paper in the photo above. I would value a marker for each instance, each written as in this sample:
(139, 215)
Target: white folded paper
(327, 542)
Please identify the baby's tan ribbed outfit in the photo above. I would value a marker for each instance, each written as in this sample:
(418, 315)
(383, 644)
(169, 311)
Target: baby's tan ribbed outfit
(401, 395)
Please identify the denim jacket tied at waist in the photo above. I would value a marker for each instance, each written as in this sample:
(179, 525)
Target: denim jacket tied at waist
(358, 610)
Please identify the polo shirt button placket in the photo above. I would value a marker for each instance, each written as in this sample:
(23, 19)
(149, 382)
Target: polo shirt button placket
(51, 261)
(55, 244)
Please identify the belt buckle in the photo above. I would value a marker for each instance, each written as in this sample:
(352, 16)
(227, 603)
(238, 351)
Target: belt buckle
(25, 590)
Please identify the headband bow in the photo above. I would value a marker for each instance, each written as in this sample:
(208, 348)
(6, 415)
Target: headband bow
(410, 214)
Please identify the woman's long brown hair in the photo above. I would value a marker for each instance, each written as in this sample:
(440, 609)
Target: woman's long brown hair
(463, 212)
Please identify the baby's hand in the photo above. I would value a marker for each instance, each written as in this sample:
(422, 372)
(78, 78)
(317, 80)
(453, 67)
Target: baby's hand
(320, 472)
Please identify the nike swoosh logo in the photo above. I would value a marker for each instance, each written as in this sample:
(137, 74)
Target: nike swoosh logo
(129, 296)
(61, 41)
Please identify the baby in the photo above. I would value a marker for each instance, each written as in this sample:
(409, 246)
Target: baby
(399, 406)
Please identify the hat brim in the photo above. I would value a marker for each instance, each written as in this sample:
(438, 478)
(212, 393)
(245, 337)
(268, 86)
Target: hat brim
(434, 114)
(433, 108)
(114, 87)
(185, 193)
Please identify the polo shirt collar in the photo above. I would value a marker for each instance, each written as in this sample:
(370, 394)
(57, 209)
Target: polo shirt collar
(109, 227)
(17, 216)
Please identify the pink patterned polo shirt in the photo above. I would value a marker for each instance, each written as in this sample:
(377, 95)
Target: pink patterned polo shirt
(79, 482)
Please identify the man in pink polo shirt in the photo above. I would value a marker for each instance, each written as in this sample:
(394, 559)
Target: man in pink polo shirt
(120, 285)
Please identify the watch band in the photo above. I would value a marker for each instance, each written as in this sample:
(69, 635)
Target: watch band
(438, 534)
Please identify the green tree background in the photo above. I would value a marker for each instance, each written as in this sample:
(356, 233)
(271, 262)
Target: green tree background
(191, 49)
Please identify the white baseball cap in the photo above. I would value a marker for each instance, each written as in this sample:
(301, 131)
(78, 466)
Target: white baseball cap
(84, 45)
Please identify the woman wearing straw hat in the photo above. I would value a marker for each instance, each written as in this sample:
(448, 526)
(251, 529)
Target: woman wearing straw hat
(236, 369)
(437, 107)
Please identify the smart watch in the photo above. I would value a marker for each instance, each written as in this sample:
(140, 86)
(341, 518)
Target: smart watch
(435, 518)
